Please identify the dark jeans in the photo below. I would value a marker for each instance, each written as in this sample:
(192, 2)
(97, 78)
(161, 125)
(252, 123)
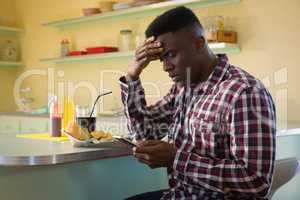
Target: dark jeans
(155, 195)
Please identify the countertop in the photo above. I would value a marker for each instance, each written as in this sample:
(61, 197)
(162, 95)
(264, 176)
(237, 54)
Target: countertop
(29, 152)
(25, 114)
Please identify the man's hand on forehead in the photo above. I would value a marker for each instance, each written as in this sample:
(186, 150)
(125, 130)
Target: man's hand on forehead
(150, 50)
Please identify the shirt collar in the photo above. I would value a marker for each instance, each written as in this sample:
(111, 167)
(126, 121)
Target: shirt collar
(217, 74)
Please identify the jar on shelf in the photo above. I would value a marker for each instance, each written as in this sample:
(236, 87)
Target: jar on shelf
(9, 51)
(214, 26)
(220, 23)
(126, 40)
(64, 47)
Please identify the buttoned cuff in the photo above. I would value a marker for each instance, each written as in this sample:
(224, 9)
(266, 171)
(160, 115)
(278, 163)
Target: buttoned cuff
(127, 85)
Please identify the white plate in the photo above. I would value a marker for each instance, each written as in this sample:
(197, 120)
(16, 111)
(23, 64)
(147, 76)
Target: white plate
(92, 142)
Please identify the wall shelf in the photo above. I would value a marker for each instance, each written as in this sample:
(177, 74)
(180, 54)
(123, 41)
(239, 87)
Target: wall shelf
(10, 64)
(148, 10)
(89, 58)
(6, 29)
(216, 47)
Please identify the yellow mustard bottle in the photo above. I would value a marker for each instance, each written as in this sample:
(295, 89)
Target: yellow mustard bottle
(69, 113)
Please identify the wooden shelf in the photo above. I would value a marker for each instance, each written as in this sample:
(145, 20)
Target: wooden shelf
(10, 64)
(6, 29)
(226, 48)
(216, 47)
(148, 10)
(89, 58)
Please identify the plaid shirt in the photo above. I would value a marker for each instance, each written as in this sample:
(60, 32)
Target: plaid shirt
(223, 129)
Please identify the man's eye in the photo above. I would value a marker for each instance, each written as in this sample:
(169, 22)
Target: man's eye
(167, 55)
(170, 54)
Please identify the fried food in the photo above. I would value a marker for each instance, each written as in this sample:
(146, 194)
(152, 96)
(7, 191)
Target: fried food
(75, 131)
(101, 135)
(79, 133)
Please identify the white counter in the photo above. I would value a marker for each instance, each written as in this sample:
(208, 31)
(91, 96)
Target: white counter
(27, 152)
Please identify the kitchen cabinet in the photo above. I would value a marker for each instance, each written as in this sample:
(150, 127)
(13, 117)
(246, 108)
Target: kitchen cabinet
(17, 125)
(9, 125)
(9, 32)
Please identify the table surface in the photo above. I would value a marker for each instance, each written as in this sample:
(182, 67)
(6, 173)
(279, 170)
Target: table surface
(28, 152)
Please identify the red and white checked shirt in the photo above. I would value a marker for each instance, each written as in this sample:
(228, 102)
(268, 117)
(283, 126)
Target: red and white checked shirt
(224, 131)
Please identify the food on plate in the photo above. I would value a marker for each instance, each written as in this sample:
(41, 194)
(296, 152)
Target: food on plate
(101, 135)
(77, 132)
(83, 134)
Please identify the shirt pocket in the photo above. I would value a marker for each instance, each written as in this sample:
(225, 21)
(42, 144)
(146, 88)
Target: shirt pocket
(207, 137)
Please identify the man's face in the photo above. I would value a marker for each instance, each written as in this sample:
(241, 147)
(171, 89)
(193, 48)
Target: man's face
(179, 57)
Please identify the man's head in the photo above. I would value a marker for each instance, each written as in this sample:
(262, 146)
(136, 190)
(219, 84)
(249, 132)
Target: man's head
(185, 48)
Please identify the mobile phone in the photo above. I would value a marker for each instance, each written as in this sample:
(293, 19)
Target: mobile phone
(125, 141)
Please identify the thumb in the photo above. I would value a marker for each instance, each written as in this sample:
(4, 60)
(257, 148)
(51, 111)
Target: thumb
(148, 143)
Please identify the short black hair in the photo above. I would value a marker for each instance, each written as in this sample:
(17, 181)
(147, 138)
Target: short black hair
(172, 21)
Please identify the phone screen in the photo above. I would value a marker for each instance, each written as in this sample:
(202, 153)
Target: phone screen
(126, 141)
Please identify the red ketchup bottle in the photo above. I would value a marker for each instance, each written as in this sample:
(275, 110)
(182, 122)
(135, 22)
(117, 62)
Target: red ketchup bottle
(55, 119)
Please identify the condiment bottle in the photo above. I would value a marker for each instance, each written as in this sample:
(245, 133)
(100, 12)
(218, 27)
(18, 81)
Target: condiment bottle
(55, 119)
(65, 47)
(69, 113)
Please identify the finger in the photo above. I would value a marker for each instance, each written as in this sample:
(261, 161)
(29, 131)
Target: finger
(156, 57)
(149, 143)
(151, 47)
(142, 156)
(154, 44)
(140, 55)
(150, 150)
(149, 53)
(144, 61)
(144, 161)
(140, 49)
(154, 51)
(149, 39)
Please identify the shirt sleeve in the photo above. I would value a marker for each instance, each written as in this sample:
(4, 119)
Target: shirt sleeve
(146, 122)
(252, 133)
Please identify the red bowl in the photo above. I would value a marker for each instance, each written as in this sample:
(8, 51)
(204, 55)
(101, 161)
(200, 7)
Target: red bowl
(94, 50)
(76, 53)
(91, 11)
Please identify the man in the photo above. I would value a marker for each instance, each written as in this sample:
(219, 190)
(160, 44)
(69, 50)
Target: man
(219, 120)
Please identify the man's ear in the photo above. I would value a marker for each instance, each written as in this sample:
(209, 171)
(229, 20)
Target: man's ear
(199, 42)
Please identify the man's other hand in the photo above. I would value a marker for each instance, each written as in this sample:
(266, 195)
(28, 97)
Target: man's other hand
(155, 153)
(144, 54)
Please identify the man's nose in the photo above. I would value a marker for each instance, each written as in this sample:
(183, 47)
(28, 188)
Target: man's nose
(167, 66)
